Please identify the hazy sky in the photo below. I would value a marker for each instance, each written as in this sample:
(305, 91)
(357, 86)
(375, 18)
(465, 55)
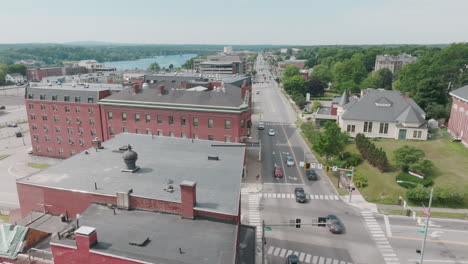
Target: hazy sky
(296, 22)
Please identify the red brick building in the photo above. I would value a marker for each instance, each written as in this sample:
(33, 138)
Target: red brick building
(191, 188)
(64, 119)
(298, 63)
(37, 74)
(458, 123)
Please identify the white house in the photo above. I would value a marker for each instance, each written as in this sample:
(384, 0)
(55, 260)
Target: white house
(14, 78)
(380, 113)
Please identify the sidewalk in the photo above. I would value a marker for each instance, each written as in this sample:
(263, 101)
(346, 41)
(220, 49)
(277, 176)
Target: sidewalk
(359, 202)
(250, 184)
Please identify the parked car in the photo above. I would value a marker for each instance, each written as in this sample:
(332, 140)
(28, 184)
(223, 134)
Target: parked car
(289, 160)
(300, 195)
(271, 132)
(258, 92)
(277, 171)
(261, 126)
(12, 125)
(292, 259)
(334, 224)
(2, 107)
(311, 175)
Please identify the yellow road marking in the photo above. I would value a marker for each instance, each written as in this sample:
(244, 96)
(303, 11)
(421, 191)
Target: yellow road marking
(433, 240)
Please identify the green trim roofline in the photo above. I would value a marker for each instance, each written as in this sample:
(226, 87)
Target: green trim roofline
(219, 109)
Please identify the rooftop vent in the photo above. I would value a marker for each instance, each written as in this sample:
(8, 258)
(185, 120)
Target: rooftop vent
(213, 157)
(130, 157)
(140, 242)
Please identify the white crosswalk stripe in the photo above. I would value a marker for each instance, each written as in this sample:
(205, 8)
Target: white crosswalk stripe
(303, 256)
(329, 197)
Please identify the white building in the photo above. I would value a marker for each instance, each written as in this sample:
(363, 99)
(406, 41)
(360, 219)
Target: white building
(228, 49)
(393, 63)
(90, 64)
(14, 78)
(382, 113)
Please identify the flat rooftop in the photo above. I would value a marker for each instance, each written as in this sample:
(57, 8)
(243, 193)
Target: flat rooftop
(201, 240)
(161, 159)
(93, 87)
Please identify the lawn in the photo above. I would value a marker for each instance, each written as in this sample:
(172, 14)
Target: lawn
(450, 162)
(38, 165)
(433, 214)
(328, 96)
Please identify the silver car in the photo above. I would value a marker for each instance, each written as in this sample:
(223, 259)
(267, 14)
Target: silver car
(289, 160)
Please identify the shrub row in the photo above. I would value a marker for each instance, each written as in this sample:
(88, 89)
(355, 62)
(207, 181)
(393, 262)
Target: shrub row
(375, 156)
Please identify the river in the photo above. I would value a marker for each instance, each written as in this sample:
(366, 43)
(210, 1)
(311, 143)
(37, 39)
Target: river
(163, 61)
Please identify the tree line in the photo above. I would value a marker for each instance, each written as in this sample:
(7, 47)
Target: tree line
(438, 70)
(375, 156)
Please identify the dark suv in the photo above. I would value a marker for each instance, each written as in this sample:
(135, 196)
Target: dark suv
(311, 175)
(300, 195)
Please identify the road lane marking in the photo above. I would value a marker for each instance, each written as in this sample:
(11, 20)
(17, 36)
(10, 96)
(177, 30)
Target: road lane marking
(289, 252)
(387, 226)
(293, 154)
(307, 259)
(329, 260)
(276, 252)
(301, 256)
(270, 250)
(283, 253)
(314, 260)
(433, 240)
(321, 260)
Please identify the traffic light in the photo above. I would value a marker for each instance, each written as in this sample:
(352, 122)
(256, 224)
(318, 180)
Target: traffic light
(307, 166)
(328, 168)
(298, 223)
(322, 220)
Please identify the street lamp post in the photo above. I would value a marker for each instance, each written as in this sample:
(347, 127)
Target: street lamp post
(428, 216)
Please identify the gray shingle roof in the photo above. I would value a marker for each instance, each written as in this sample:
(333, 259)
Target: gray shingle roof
(385, 106)
(230, 98)
(201, 240)
(15, 74)
(461, 93)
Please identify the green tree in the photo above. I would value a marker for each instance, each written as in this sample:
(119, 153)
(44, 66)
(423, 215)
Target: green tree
(299, 99)
(290, 71)
(154, 67)
(349, 72)
(171, 66)
(254, 72)
(407, 155)
(322, 72)
(295, 85)
(332, 140)
(418, 193)
(385, 79)
(17, 68)
(315, 87)
(423, 166)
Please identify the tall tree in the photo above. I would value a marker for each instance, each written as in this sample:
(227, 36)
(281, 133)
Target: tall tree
(315, 87)
(154, 67)
(290, 71)
(332, 141)
(385, 78)
(295, 85)
(322, 72)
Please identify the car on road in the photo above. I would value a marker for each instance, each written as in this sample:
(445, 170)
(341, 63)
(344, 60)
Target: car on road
(2, 107)
(311, 175)
(289, 160)
(334, 224)
(277, 171)
(12, 125)
(300, 195)
(271, 132)
(258, 92)
(261, 126)
(292, 259)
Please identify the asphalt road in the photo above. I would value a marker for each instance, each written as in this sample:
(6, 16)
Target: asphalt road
(311, 243)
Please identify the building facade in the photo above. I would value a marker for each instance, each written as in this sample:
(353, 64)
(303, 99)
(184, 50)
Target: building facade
(14, 78)
(382, 113)
(458, 122)
(393, 63)
(36, 75)
(63, 120)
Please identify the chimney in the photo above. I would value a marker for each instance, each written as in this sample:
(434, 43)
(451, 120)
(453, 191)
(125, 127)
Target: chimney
(188, 194)
(86, 237)
(135, 88)
(97, 143)
(161, 89)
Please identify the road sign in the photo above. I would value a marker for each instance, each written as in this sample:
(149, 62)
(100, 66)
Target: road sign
(313, 165)
(334, 168)
(267, 228)
(260, 114)
(426, 212)
(301, 164)
(319, 166)
(421, 231)
(349, 174)
(252, 144)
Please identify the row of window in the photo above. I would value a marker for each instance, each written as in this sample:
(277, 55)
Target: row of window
(66, 108)
(51, 150)
(170, 133)
(66, 98)
(91, 121)
(383, 129)
(170, 120)
(70, 130)
(71, 141)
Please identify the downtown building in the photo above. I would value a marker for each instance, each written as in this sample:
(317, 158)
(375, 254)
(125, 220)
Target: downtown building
(144, 199)
(65, 119)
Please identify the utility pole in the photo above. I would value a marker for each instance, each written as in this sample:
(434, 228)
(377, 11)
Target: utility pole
(350, 187)
(263, 241)
(428, 215)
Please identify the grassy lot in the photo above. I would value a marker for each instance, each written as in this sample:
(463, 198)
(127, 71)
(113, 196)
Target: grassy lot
(450, 162)
(38, 165)
(327, 96)
(420, 213)
(4, 156)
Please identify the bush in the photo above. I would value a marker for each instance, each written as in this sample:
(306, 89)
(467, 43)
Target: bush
(423, 166)
(359, 180)
(409, 178)
(376, 157)
(447, 195)
(418, 193)
(347, 159)
(310, 132)
(406, 155)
